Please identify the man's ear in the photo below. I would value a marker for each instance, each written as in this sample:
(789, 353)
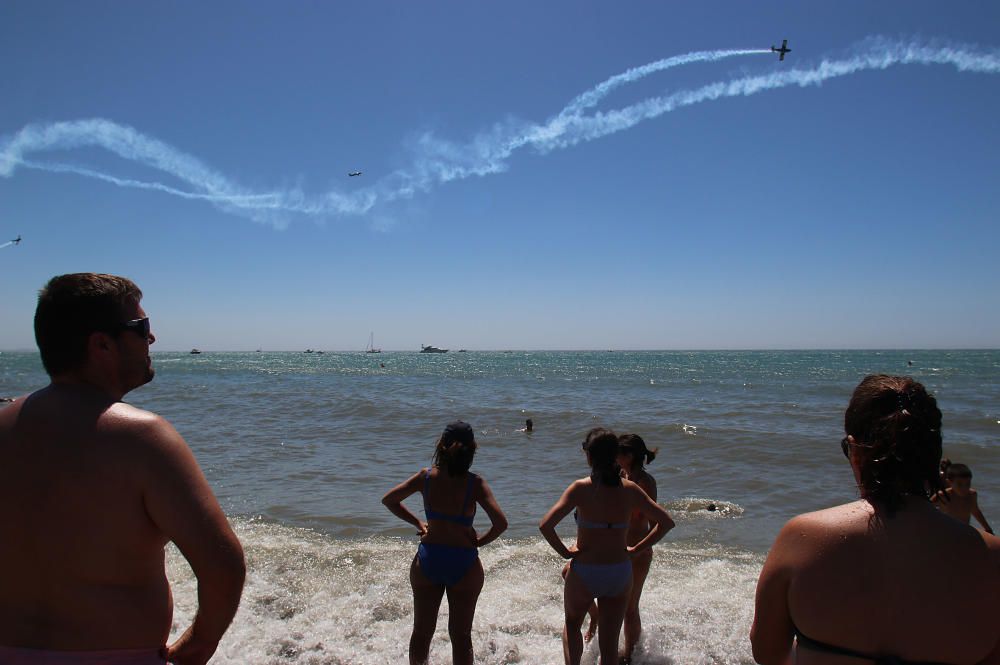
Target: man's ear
(99, 343)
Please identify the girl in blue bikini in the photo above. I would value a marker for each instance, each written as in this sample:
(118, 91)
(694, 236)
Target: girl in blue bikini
(601, 564)
(447, 560)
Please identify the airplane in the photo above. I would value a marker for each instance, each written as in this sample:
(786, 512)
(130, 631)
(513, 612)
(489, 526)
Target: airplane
(783, 50)
(353, 173)
(17, 240)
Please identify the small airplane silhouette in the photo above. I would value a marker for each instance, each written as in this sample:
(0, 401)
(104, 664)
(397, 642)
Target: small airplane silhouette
(353, 174)
(783, 50)
(17, 240)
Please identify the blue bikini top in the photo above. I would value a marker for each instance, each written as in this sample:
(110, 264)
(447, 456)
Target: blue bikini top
(587, 524)
(461, 518)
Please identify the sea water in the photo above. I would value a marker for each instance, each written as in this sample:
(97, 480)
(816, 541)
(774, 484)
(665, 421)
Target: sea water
(300, 448)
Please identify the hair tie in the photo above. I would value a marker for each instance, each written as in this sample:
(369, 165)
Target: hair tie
(904, 402)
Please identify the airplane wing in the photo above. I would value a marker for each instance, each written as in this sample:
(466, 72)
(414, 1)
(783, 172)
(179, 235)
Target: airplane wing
(781, 56)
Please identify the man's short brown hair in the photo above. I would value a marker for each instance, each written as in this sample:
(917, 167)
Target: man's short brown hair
(71, 307)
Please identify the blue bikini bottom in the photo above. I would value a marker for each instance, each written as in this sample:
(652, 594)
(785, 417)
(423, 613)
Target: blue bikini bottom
(604, 579)
(445, 564)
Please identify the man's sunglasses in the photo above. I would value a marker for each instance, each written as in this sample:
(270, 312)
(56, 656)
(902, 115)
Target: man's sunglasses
(138, 326)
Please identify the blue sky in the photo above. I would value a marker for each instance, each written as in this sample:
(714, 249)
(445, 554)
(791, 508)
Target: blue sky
(858, 213)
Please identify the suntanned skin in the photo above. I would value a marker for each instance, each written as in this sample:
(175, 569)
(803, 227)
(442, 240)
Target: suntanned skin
(961, 502)
(638, 527)
(600, 503)
(91, 490)
(880, 587)
(446, 493)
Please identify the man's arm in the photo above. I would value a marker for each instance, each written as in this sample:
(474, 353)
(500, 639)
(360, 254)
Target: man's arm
(181, 504)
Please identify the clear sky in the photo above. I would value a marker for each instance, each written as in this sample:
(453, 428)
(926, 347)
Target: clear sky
(202, 149)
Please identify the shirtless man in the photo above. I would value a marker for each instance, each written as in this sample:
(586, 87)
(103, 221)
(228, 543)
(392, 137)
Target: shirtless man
(959, 500)
(91, 491)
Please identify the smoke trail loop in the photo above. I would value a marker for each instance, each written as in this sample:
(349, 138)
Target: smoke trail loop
(437, 161)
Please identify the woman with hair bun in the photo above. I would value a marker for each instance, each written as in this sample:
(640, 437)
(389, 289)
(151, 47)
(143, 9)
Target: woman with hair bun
(633, 455)
(876, 580)
(602, 559)
(447, 559)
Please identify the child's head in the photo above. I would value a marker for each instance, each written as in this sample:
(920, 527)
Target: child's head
(960, 478)
(633, 453)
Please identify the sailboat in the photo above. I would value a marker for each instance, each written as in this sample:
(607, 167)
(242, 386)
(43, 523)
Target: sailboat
(371, 345)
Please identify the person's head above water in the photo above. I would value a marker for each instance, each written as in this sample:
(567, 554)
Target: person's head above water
(72, 307)
(602, 453)
(893, 428)
(455, 448)
(633, 451)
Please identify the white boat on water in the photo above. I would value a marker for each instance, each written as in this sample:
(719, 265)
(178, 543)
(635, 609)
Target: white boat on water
(371, 345)
(431, 349)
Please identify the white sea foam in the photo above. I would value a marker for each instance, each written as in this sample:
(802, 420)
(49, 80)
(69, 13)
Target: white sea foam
(313, 599)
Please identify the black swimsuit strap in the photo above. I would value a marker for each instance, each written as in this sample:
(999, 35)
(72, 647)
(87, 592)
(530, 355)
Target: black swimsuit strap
(822, 647)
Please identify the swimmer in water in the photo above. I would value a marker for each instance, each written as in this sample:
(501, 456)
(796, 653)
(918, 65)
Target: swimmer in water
(959, 500)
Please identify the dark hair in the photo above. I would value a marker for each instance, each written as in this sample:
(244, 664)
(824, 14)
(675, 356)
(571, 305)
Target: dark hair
(71, 307)
(455, 448)
(957, 470)
(602, 448)
(642, 455)
(896, 425)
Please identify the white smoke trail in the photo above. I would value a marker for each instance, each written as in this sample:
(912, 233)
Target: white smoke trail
(883, 56)
(131, 145)
(55, 167)
(438, 161)
(7, 244)
(590, 98)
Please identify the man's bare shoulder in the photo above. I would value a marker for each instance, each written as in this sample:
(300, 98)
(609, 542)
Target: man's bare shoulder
(122, 414)
(139, 428)
(10, 410)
